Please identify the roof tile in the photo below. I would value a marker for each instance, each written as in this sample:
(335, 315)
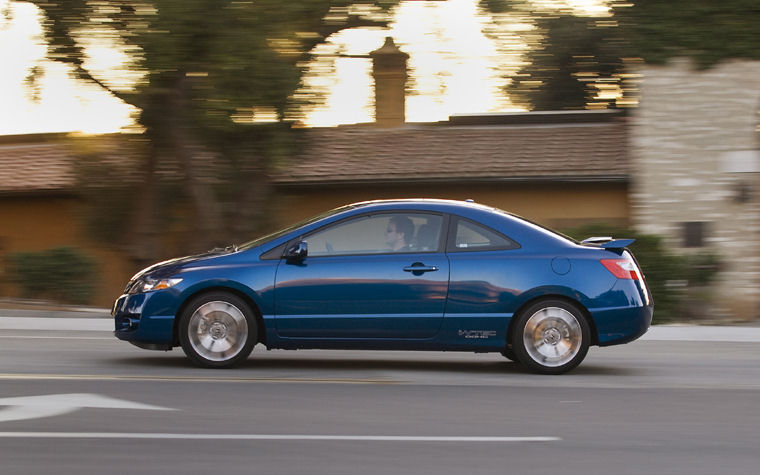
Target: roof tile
(439, 152)
(35, 167)
(419, 152)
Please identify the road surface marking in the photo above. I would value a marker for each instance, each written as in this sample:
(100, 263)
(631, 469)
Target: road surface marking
(359, 438)
(35, 407)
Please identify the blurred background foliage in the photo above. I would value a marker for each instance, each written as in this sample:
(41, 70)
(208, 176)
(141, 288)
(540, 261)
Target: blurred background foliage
(580, 64)
(590, 62)
(216, 100)
(680, 284)
(706, 31)
(62, 274)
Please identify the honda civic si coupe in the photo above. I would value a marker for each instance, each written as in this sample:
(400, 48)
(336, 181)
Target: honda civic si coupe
(420, 274)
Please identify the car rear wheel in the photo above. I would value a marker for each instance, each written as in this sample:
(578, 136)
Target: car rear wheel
(509, 354)
(217, 330)
(551, 337)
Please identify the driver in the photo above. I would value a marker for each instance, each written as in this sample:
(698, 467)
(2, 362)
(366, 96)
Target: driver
(399, 233)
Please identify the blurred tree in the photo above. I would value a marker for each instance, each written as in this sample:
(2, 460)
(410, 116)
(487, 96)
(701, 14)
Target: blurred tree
(579, 62)
(574, 62)
(209, 70)
(501, 6)
(707, 31)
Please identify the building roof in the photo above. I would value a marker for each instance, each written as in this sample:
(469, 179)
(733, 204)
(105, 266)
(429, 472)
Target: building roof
(430, 153)
(558, 147)
(28, 166)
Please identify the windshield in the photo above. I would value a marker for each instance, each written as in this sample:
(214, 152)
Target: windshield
(282, 232)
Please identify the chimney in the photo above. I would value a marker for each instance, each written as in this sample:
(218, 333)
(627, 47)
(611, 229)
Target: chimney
(389, 71)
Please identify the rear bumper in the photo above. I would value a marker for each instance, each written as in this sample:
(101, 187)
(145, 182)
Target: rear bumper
(630, 325)
(625, 313)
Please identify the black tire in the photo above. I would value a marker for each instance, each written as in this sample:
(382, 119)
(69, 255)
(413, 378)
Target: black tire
(509, 354)
(217, 330)
(551, 336)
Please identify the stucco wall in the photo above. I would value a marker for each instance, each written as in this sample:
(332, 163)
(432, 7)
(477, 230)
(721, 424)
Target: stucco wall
(40, 223)
(556, 205)
(696, 159)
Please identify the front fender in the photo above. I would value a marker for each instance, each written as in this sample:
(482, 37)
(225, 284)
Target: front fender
(220, 284)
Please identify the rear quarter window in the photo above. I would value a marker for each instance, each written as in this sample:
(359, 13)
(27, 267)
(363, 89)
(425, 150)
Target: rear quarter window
(467, 235)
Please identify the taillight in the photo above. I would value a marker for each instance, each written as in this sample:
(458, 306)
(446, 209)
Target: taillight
(622, 268)
(626, 268)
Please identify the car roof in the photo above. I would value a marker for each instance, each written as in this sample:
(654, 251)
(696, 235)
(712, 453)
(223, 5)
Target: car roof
(467, 208)
(426, 203)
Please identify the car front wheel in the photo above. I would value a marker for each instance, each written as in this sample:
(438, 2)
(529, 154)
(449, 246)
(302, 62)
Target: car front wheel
(217, 330)
(551, 337)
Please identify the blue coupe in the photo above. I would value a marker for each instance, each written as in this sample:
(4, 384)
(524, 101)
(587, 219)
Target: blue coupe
(395, 275)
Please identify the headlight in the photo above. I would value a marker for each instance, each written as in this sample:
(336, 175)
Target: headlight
(148, 285)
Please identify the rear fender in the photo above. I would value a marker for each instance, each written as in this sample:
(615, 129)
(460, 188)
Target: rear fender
(566, 296)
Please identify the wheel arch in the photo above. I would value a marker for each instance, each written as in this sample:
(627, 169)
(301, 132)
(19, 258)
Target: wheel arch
(589, 319)
(261, 329)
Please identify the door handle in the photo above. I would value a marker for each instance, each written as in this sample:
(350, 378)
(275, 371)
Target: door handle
(419, 268)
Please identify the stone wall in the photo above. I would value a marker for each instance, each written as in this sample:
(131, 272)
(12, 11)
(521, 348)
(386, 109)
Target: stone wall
(696, 158)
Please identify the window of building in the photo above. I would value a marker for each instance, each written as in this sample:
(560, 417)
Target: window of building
(693, 233)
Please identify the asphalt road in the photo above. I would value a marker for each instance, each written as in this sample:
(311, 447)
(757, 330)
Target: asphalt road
(81, 402)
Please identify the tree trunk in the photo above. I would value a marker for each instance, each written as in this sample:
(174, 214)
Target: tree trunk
(207, 231)
(144, 247)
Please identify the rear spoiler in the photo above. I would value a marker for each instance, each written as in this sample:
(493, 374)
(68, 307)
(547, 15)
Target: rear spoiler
(607, 242)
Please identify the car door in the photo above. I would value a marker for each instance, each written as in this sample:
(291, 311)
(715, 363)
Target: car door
(485, 279)
(352, 284)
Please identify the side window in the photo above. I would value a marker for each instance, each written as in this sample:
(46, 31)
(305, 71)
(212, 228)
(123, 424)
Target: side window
(378, 234)
(469, 236)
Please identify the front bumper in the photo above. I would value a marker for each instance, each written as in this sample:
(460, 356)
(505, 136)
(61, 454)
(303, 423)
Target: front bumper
(136, 320)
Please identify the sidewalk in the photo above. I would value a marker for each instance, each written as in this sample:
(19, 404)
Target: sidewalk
(41, 309)
(45, 316)
(93, 319)
(730, 334)
(55, 323)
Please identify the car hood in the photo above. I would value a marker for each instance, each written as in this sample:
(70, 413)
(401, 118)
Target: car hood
(171, 266)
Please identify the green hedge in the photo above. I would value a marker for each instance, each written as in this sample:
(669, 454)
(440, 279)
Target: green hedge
(63, 274)
(680, 284)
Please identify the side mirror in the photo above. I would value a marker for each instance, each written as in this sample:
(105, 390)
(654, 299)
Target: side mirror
(297, 252)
